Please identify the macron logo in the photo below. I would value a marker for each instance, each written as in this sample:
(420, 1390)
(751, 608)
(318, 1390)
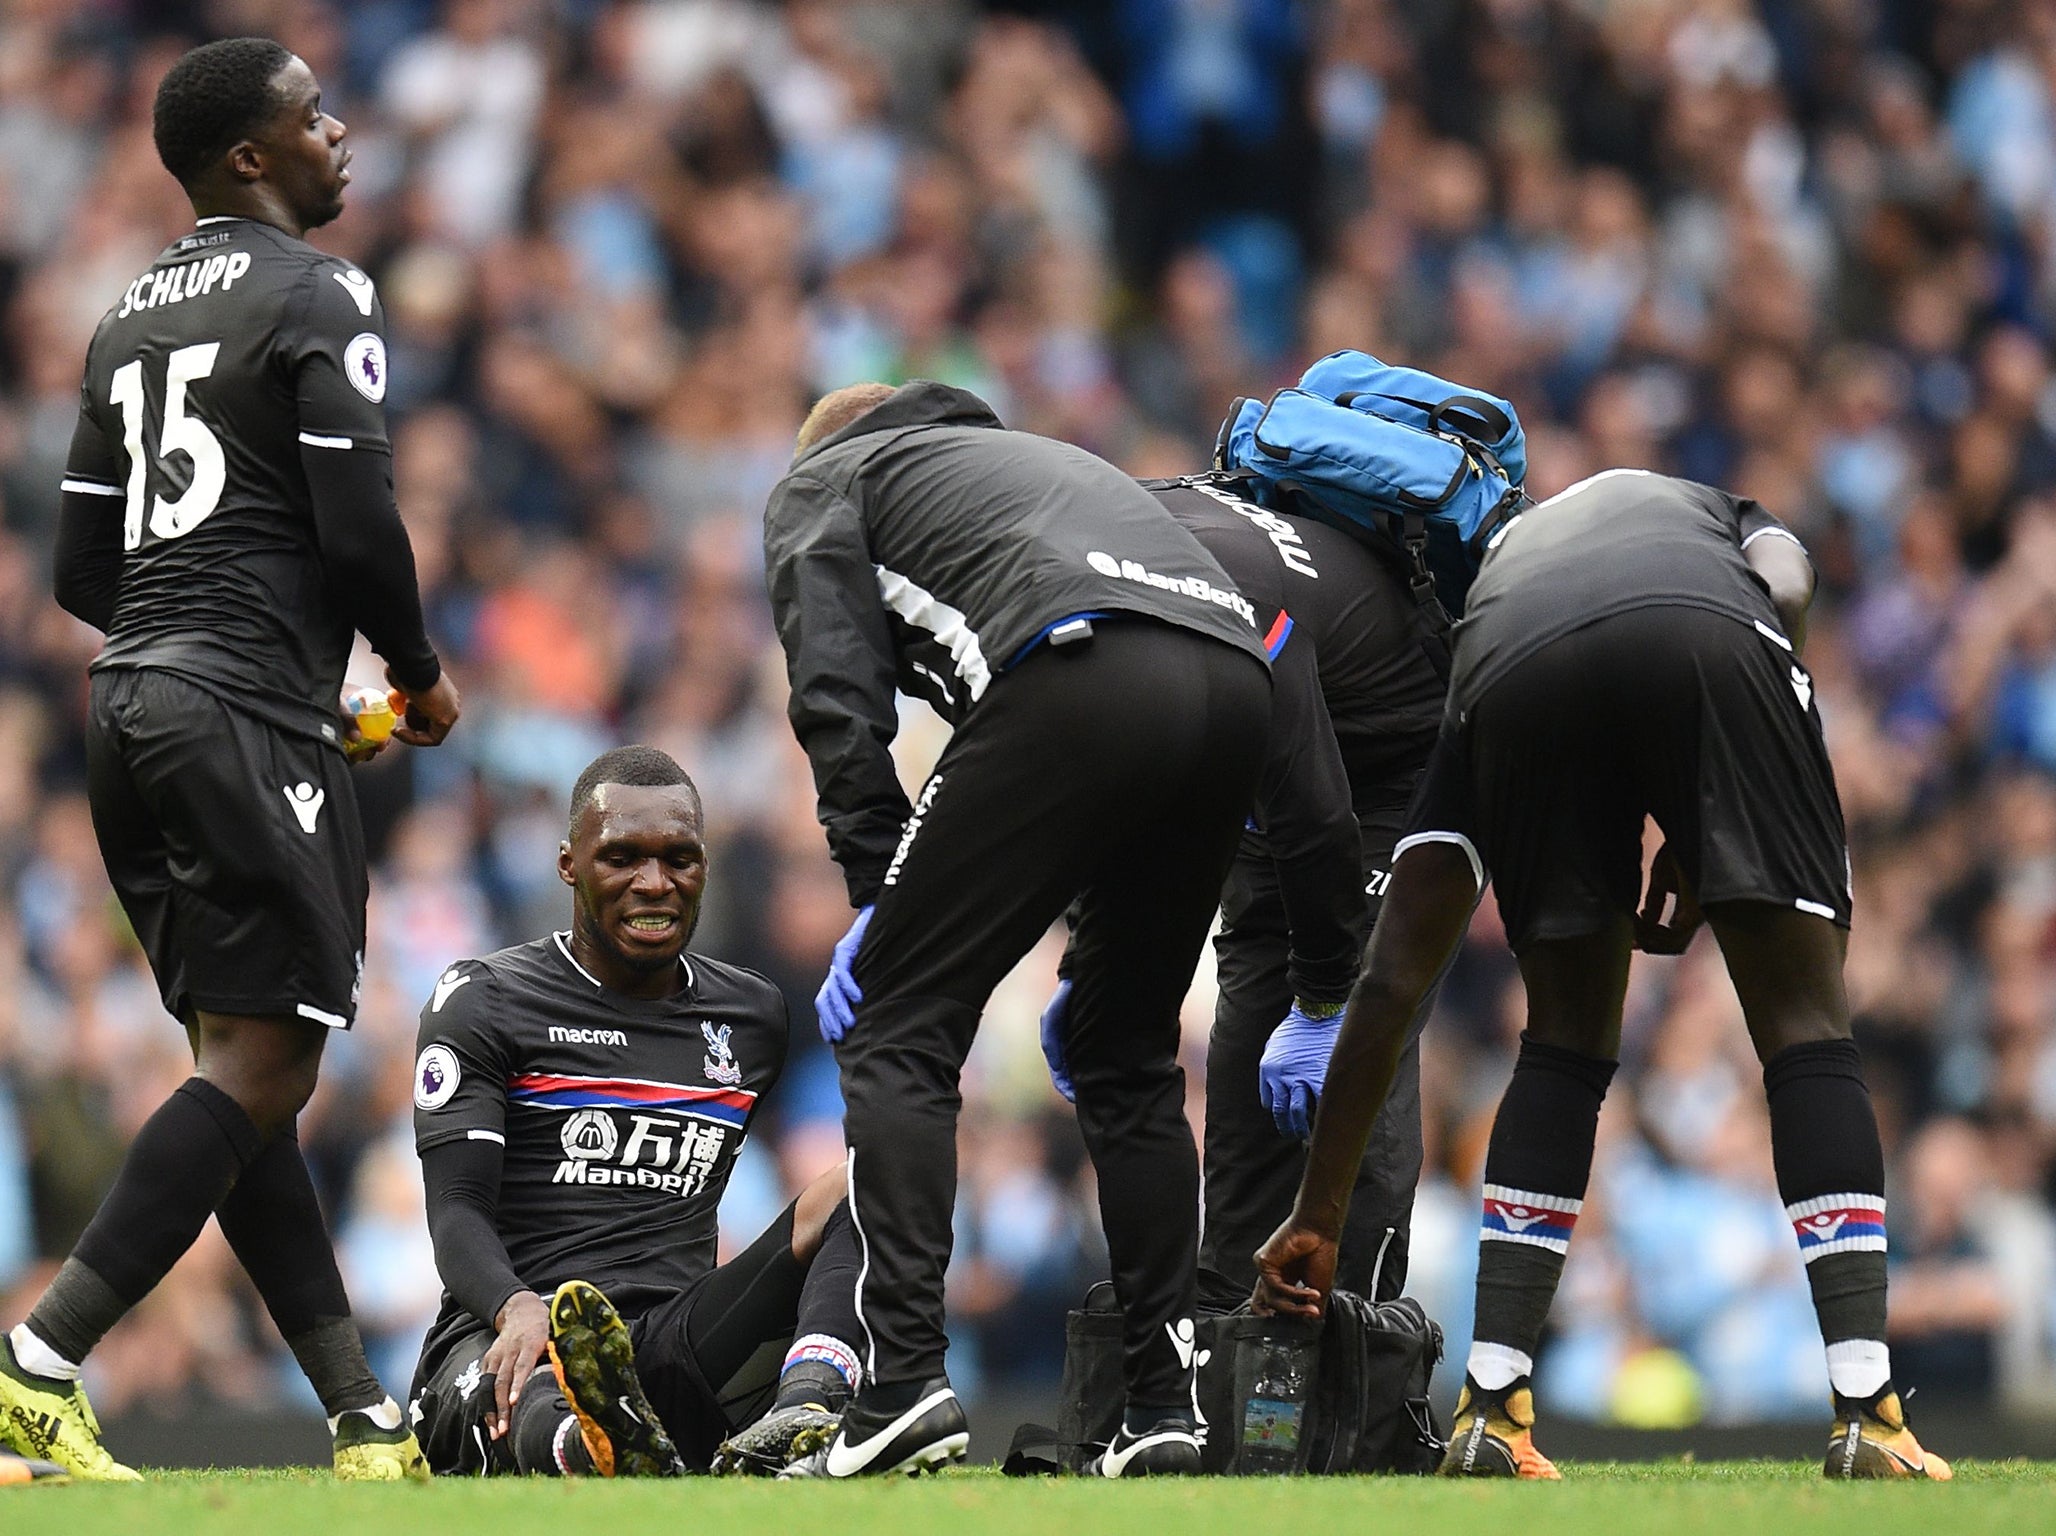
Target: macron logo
(1519, 1218)
(1802, 685)
(1826, 1225)
(447, 983)
(358, 287)
(561, 1035)
(306, 802)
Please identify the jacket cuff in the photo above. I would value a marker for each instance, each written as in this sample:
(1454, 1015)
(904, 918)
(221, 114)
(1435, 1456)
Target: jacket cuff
(1327, 981)
(865, 881)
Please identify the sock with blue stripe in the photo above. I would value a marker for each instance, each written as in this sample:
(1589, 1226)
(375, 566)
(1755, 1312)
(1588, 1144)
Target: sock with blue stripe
(1831, 1176)
(1536, 1169)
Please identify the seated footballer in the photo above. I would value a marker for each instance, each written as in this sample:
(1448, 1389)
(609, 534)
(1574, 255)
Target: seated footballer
(579, 1104)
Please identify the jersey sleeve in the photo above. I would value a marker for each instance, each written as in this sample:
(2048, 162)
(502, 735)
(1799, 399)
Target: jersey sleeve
(778, 1030)
(1752, 521)
(92, 504)
(333, 339)
(333, 335)
(460, 1071)
(1442, 810)
(1305, 810)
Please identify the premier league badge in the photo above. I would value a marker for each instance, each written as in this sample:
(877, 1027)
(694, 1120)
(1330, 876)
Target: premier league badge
(436, 1074)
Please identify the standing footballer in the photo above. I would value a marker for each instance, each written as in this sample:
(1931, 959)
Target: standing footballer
(228, 521)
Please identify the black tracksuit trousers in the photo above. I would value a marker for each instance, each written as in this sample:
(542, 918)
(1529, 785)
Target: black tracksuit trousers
(1253, 1172)
(1117, 771)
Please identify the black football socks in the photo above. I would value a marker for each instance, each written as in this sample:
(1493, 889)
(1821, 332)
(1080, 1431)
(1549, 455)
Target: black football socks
(273, 1222)
(1536, 1168)
(1831, 1176)
(543, 1434)
(822, 1366)
(182, 1165)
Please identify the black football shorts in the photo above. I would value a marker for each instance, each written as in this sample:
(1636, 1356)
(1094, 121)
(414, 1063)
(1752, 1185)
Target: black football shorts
(235, 849)
(1700, 720)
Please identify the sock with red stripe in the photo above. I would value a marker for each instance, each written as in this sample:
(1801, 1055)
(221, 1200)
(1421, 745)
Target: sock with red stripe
(1831, 1174)
(1536, 1168)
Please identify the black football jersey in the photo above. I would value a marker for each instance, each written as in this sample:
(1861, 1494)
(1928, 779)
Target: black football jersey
(621, 1118)
(1341, 600)
(239, 345)
(1623, 539)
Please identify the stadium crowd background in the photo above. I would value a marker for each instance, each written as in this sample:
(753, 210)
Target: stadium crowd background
(1801, 248)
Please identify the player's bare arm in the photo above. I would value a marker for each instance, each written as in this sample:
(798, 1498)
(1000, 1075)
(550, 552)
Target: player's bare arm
(1434, 887)
(1780, 562)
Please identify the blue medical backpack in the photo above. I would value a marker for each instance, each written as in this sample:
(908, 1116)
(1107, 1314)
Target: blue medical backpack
(1396, 456)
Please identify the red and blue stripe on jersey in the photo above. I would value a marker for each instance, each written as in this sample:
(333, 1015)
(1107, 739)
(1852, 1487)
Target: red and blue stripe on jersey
(549, 1090)
(1280, 631)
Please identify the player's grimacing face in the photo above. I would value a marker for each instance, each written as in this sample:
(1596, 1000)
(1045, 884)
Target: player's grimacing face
(638, 864)
(305, 158)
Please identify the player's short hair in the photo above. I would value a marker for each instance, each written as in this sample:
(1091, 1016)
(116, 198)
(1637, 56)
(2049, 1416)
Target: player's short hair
(837, 409)
(635, 765)
(214, 96)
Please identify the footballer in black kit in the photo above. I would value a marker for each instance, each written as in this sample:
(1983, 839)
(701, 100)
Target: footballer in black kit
(240, 373)
(1355, 702)
(579, 1105)
(1631, 650)
(227, 519)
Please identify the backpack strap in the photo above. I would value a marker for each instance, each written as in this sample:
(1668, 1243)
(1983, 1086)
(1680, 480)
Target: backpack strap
(1468, 416)
(1227, 425)
(1412, 531)
(1241, 481)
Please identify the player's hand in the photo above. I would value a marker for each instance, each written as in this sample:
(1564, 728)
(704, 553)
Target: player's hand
(360, 707)
(835, 1005)
(524, 1325)
(1653, 935)
(430, 713)
(357, 747)
(1295, 1270)
(1295, 1064)
(1056, 1039)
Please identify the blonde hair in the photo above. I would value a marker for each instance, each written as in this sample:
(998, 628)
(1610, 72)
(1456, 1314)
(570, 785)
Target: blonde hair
(837, 409)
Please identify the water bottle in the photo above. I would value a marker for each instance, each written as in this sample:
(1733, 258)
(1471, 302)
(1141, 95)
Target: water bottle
(1271, 1417)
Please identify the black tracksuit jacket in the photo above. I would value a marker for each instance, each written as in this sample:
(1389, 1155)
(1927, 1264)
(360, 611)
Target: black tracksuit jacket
(927, 549)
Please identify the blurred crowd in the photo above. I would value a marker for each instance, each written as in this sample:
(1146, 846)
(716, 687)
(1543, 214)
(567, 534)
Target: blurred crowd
(1798, 247)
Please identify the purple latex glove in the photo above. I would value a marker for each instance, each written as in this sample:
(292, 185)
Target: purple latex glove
(1295, 1065)
(1056, 1029)
(835, 1005)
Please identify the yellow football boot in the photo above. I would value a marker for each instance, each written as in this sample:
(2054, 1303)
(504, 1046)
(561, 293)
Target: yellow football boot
(1494, 1435)
(1871, 1440)
(367, 1452)
(49, 1420)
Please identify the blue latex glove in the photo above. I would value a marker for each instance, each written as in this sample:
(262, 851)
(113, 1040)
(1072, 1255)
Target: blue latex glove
(1295, 1065)
(835, 1005)
(1056, 1029)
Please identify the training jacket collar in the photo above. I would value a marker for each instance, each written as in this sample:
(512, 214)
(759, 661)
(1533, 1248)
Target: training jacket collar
(917, 403)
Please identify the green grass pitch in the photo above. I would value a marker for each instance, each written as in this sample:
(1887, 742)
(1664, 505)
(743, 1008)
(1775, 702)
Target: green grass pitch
(1760, 1498)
